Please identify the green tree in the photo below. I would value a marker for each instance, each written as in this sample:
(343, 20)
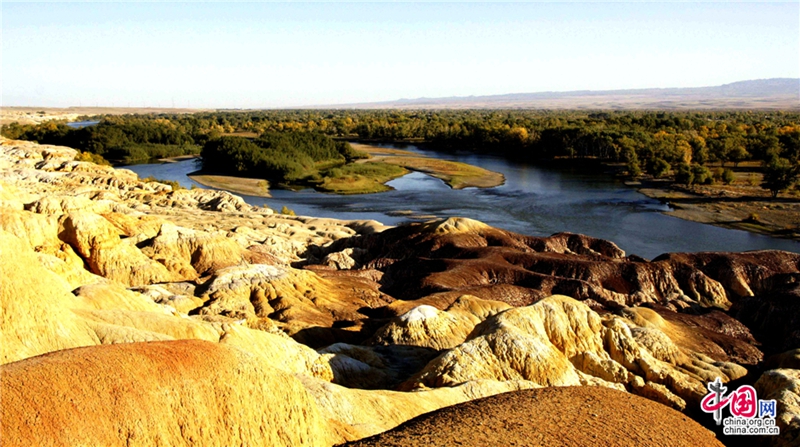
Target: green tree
(659, 167)
(779, 175)
(684, 174)
(699, 150)
(738, 154)
(702, 175)
(627, 148)
(763, 147)
(717, 150)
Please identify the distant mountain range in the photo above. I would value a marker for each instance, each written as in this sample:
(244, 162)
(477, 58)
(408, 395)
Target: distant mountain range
(777, 93)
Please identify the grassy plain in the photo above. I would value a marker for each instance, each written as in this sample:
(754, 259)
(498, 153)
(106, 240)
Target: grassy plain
(359, 178)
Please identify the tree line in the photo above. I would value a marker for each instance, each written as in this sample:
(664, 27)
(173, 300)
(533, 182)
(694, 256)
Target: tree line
(284, 157)
(123, 139)
(683, 144)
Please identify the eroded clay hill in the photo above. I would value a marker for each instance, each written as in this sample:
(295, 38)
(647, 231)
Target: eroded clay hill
(120, 297)
(557, 416)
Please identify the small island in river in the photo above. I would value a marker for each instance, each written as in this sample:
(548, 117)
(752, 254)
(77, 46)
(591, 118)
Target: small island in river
(302, 160)
(726, 168)
(455, 174)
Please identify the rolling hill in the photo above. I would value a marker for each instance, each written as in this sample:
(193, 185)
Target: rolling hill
(777, 93)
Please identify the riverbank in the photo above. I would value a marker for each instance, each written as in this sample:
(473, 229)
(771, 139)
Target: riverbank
(742, 205)
(239, 185)
(178, 158)
(739, 207)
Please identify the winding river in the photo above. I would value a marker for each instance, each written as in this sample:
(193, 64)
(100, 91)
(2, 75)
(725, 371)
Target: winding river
(534, 200)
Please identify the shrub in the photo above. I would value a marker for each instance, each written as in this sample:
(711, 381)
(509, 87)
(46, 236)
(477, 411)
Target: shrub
(702, 175)
(727, 176)
(659, 167)
(92, 158)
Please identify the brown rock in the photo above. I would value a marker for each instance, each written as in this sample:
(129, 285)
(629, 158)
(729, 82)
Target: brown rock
(742, 274)
(774, 314)
(451, 257)
(550, 416)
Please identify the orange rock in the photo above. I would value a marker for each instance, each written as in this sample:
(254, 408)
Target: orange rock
(160, 393)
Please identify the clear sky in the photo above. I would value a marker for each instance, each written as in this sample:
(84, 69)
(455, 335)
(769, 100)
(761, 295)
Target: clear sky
(253, 55)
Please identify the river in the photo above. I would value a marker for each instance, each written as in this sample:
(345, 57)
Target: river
(534, 200)
(82, 124)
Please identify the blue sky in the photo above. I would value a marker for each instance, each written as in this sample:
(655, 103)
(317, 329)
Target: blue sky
(253, 55)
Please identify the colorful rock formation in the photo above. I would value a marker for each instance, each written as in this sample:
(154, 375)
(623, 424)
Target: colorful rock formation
(133, 313)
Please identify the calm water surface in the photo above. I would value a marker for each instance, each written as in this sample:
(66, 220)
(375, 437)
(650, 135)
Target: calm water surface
(534, 200)
(81, 124)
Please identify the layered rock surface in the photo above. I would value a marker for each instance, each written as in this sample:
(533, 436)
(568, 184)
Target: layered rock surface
(341, 318)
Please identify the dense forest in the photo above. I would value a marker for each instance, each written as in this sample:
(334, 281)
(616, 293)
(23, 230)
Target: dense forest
(287, 157)
(679, 144)
(124, 139)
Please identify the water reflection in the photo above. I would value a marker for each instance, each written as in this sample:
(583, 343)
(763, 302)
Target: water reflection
(534, 200)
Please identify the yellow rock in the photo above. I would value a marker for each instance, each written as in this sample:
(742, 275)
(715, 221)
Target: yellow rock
(98, 242)
(454, 225)
(35, 312)
(560, 341)
(514, 345)
(426, 326)
(279, 350)
(190, 252)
